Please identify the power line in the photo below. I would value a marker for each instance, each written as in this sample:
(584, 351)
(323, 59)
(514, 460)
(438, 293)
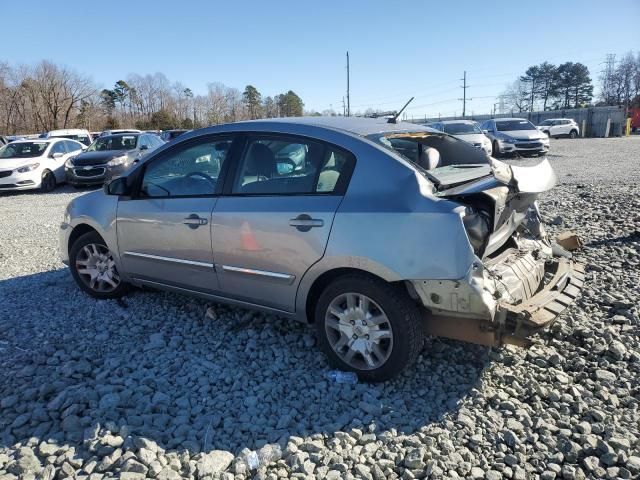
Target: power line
(464, 94)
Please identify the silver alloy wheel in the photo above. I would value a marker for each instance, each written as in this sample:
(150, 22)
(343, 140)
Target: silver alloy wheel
(96, 268)
(359, 331)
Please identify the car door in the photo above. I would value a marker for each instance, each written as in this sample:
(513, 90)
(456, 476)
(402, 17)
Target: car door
(164, 229)
(56, 158)
(274, 220)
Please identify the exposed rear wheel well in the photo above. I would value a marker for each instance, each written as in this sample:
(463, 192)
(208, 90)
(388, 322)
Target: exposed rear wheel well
(325, 279)
(77, 232)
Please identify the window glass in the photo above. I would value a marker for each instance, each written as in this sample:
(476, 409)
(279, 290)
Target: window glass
(188, 171)
(58, 147)
(284, 165)
(115, 142)
(72, 146)
(23, 149)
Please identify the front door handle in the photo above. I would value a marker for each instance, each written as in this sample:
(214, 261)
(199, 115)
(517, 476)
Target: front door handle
(304, 222)
(194, 221)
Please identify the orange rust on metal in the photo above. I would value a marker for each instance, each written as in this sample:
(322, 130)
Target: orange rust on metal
(569, 241)
(465, 329)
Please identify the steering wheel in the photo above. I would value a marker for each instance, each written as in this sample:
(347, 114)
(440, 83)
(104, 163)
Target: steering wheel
(209, 179)
(287, 161)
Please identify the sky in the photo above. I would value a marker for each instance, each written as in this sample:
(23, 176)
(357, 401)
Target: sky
(398, 49)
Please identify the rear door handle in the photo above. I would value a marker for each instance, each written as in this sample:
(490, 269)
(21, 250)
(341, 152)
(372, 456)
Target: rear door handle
(194, 221)
(304, 222)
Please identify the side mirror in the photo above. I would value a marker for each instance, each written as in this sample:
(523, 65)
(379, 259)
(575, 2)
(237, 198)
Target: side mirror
(117, 186)
(85, 148)
(485, 131)
(144, 147)
(57, 155)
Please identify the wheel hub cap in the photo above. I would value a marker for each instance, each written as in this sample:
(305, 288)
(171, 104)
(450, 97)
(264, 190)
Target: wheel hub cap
(359, 331)
(95, 266)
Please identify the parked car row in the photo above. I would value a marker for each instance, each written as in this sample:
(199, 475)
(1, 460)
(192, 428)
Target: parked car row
(63, 156)
(504, 136)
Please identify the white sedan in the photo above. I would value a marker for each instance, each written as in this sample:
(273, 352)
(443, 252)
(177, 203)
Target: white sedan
(466, 130)
(30, 164)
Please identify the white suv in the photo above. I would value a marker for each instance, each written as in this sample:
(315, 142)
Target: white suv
(29, 164)
(560, 127)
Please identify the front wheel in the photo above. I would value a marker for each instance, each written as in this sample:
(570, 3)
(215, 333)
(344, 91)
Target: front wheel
(94, 269)
(573, 134)
(368, 326)
(48, 182)
(496, 149)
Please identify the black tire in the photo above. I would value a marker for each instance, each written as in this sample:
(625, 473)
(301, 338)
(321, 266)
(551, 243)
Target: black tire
(496, 149)
(48, 182)
(82, 241)
(548, 134)
(573, 134)
(403, 315)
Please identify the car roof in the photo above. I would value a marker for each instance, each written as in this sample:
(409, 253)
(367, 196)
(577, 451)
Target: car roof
(449, 122)
(356, 125)
(132, 134)
(509, 119)
(68, 131)
(41, 140)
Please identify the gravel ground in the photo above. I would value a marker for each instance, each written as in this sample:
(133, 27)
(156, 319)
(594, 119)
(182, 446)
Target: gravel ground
(164, 386)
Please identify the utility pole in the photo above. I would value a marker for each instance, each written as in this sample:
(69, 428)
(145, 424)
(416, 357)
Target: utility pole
(464, 94)
(348, 100)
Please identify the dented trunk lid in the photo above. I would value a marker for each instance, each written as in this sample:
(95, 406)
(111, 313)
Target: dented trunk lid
(505, 194)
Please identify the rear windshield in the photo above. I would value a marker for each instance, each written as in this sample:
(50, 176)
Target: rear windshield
(120, 142)
(414, 147)
(23, 150)
(78, 138)
(461, 128)
(510, 125)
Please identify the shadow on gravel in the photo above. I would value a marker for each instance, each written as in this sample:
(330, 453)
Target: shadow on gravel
(155, 365)
(632, 237)
(58, 190)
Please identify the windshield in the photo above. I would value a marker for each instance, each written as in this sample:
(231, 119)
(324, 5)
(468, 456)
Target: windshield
(78, 138)
(461, 128)
(120, 142)
(23, 150)
(509, 125)
(430, 150)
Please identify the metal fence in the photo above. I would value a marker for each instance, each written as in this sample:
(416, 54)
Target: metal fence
(592, 120)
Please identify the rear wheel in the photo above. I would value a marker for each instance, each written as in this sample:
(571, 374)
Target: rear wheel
(573, 134)
(48, 182)
(94, 269)
(368, 326)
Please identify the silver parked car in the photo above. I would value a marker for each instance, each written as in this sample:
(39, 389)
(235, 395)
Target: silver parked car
(377, 233)
(515, 136)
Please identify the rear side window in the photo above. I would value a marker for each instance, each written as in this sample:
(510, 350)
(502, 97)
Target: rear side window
(283, 165)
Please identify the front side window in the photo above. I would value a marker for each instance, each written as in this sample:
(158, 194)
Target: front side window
(72, 146)
(58, 147)
(280, 165)
(188, 171)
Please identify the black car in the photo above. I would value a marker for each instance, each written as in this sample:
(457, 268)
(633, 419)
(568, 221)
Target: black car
(108, 157)
(169, 135)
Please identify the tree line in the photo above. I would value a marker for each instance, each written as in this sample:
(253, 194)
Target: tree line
(47, 96)
(551, 87)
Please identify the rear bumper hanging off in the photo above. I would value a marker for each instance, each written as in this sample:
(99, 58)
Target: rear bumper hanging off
(514, 324)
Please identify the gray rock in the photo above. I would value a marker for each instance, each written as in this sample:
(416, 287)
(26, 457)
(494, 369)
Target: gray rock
(213, 462)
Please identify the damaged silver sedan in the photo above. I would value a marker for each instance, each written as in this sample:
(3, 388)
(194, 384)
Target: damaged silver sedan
(376, 233)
